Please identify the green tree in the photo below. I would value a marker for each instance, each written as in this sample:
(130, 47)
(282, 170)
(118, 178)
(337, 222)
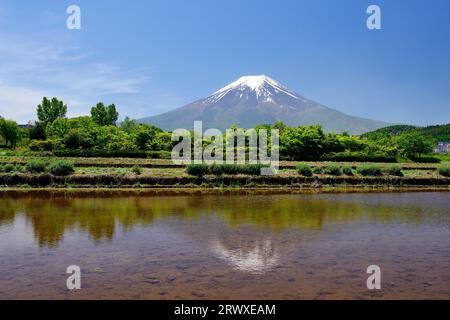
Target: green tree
(128, 125)
(78, 139)
(414, 144)
(145, 136)
(50, 110)
(104, 116)
(10, 132)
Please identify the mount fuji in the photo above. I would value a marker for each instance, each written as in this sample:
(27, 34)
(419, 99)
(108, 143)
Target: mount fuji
(253, 100)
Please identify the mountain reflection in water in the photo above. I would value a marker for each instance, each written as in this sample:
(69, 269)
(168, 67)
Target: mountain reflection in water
(290, 246)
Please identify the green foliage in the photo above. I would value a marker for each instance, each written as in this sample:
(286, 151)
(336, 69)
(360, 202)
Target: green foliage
(10, 132)
(389, 131)
(369, 170)
(8, 168)
(302, 143)
(197, 170)
(145, 136)
(128, 125)
(444, 170)
(318, 170)
(333, 170)
(414, 144)
(101, 153)
(394, 170)
(437, 133)
(78, 138)
(37, 131)
(347, 170)
(221, 169)
(137, 170)
(46, 145)
(62, 168)
(426, 159)
(104, 116)
(360, 157)
(304, 169)
(36, 166)
(50, 110)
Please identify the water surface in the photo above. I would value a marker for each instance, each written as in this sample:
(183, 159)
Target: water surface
(226, 246)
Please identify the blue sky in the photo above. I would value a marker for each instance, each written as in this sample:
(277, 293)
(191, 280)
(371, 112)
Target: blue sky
(149, 57)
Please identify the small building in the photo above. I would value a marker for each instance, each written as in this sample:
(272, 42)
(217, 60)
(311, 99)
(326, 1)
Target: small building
(442, 147)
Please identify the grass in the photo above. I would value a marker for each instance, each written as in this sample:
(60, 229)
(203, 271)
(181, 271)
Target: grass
(142, 173)
(304, 169)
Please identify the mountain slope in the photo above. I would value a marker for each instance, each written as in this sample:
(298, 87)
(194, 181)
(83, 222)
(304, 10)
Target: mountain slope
(256, 100)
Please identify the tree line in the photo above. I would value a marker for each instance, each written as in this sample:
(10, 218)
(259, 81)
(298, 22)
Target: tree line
(100, 134)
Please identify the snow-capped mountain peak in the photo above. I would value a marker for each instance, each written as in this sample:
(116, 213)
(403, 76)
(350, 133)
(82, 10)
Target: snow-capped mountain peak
(253, 100)
(262, 86)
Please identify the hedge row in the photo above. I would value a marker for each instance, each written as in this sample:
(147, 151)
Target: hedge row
(57, 167)
(359, 157)
(305, 170)
(45, 180)
(200, 170)
(112, 154)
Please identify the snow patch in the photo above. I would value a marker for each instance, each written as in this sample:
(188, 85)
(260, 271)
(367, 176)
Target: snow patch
(263, 86)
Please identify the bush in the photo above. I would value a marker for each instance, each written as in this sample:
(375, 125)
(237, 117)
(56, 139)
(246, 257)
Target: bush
(251, 169)
(159, 154)
(444, 171)
(221, 169)
(36, 166)
(318, 170)
(137, 170)
(62, 168)
(333, 170)
(348, 171)
(197, 170)
(47, 145)
(426, 160)
(369, 170)
(394, 170)
(304, 170)
(8, 168)
(83, 153)
(359, 157)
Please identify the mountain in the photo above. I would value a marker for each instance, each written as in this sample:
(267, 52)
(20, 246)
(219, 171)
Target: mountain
(437, 132)
(253, 100)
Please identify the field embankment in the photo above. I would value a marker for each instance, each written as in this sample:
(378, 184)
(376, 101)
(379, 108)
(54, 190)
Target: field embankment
(28, 172)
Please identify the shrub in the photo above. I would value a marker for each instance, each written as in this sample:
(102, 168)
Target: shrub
(137, 170)
(304, 170)
(252, 169)
(369, 170)
(216, 169)
(36, 166)
(333, 170)
(394, 170)
(426, 159)
(197, 170)
(84, 153)
(46, 145)
(359, 157)
(444, 171)
(8, 168)
(318, 170)
(348, 171)
(62, 168)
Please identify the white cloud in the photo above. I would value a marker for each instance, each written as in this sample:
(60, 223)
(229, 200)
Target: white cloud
(31, 69)
(13, 99)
